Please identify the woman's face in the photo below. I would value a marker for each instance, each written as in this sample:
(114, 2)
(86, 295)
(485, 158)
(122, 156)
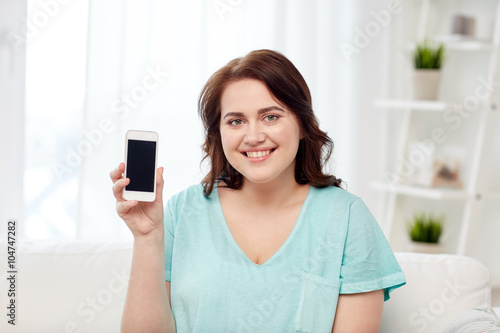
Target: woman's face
(260, 137)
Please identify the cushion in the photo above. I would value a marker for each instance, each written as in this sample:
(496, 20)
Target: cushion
(439, 288)
(476, 320)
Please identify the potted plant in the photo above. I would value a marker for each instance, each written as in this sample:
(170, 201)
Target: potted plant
(424, 231)
(427, 61)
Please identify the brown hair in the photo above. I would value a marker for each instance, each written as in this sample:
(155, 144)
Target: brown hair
(288, 86)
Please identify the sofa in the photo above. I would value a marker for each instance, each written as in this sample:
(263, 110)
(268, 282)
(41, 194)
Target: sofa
(80, 286)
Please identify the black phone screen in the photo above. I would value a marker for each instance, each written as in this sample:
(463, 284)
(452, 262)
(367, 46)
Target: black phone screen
(141, 165)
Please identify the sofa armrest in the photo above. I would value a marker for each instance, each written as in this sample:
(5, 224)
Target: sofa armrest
(439, 288)
(74, 286)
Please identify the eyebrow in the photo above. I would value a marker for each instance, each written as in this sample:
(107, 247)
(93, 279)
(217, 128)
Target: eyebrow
(260, 111)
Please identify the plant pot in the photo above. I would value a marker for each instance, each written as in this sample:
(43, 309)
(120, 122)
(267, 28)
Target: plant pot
(426, 83)
(423, 247)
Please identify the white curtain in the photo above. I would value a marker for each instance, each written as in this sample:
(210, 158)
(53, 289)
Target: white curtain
(12, 95)
(148, 61)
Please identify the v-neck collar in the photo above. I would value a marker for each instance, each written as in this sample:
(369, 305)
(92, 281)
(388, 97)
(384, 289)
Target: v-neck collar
(229, 236)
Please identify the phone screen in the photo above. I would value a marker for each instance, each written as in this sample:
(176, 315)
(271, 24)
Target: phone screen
(141, 165)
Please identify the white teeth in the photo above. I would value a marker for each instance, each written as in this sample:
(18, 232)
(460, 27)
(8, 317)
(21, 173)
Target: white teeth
(256, 154)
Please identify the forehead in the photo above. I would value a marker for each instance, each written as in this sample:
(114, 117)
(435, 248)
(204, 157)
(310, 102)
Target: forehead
(247, 94)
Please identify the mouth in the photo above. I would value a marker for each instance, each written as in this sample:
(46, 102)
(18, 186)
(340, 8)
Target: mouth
(258, 154)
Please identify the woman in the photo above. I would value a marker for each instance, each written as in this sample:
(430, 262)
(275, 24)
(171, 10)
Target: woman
(267, 242)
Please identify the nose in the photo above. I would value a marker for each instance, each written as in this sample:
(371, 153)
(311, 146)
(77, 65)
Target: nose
(254, 135)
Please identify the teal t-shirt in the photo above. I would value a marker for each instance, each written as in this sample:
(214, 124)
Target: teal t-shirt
(336, 247)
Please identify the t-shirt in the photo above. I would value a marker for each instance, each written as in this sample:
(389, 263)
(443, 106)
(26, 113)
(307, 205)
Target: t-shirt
(335, 247)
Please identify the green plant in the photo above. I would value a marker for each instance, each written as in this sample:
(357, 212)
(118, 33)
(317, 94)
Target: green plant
(428, 57)
(425, 228)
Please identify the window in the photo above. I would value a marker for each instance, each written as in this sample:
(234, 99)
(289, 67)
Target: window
(55, 93)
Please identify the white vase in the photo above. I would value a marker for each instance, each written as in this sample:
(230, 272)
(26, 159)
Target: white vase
(422, 247)
(426, 83)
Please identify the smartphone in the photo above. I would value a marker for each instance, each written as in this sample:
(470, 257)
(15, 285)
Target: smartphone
(141, 152)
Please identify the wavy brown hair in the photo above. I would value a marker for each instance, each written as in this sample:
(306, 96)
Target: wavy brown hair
(288, 86)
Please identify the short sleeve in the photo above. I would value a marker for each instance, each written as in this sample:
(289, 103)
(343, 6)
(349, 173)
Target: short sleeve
(169, 238)
(368, 262)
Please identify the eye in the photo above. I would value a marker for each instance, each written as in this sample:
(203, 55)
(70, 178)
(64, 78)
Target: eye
(235, 122)
(271, 117)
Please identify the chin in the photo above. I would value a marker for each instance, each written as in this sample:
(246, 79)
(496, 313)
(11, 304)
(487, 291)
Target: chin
(257, 180)
(260, 179)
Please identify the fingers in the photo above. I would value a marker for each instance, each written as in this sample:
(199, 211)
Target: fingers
(159, 184)
(119, 182)
(116, 176)
(117, 173)
(118, 188)
(124, 206)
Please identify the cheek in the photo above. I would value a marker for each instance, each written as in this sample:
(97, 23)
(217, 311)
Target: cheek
(223, 137)
(228, 142)
(292, 138)
(287, 134)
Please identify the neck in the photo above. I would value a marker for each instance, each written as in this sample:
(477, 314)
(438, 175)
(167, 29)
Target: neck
(276, 193)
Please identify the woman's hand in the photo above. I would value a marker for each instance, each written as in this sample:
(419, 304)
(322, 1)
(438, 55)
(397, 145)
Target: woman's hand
(142, 218)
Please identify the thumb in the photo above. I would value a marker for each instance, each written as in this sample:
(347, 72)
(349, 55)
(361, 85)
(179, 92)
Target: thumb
(159, 185)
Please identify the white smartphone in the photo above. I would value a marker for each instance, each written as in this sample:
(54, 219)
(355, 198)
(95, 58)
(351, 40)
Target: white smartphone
(141, 151)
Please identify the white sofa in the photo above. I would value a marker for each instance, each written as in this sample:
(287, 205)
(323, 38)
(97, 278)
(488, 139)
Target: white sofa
(80, 286)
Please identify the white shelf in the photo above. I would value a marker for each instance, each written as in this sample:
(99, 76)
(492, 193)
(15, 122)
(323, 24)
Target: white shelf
(469, 46)
(421, 192)
(469, 55)
(411, 104)
(465, 44)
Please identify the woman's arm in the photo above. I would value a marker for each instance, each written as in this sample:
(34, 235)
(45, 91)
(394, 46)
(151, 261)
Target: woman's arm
(147, 306)
(359, 313)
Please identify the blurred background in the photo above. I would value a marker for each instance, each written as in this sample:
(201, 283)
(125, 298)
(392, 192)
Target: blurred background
(76, 75)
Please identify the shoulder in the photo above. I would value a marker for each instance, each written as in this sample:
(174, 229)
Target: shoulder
(191, 196)
(189, 204)
(189, 192)
(340, 205)
(334, 195)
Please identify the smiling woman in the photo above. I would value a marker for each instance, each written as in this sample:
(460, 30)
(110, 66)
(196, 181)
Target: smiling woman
(269, 78)
(268, 242)
(262, 139)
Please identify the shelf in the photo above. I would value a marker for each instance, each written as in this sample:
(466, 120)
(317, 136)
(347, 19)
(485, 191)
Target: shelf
(411, 104)
(405, 119)
(469, 46)
(461, 45)
(464, 43)
(421, 192)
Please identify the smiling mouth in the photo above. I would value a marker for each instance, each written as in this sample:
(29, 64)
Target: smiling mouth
(257, 154)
